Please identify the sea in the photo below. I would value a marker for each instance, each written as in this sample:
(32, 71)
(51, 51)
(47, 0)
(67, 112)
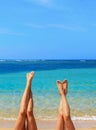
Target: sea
(81, 76)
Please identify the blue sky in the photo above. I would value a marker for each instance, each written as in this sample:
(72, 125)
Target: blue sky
(47, 29)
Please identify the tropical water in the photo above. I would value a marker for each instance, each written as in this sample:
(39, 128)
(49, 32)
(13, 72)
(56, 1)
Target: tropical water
(81, 75)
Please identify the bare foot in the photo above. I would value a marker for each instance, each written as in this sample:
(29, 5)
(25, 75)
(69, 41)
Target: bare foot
(30, 76)
(65, 86)
(60, 87)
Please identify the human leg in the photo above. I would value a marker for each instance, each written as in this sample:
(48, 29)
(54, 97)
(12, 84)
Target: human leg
(66, 109)
(20, 122)
(60, 122)
(31, 123)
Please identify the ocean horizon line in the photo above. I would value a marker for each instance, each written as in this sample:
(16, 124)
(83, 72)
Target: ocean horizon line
(47, 59)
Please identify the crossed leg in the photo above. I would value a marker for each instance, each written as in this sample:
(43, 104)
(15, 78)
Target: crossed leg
(64, 123)
(25, 102)
(60, 122)
(31, 123)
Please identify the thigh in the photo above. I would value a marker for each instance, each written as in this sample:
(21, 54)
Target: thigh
(20, 123)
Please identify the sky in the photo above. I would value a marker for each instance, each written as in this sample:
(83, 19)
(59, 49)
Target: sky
(47, 29)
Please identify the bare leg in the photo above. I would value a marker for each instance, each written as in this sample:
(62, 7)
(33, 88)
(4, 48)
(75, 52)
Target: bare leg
(20, 123)
(30, 116)
(66, 109)
(60, 121)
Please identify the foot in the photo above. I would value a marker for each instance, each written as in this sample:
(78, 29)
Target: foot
(60, 87)
(30, 76)
(65, 86)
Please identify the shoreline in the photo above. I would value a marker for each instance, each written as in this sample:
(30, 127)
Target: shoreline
(75, 119)
(44, 125)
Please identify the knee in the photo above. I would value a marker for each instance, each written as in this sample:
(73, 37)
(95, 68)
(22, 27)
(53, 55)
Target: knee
(29, 113)
(60, 112)
(67, 117)
(23, 113)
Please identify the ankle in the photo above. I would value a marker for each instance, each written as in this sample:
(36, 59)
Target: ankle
(29, 82)
(63, 95)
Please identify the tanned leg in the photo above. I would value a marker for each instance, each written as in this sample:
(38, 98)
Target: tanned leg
(60, 121)
(20, 123)
(30, 116)
(66, 109)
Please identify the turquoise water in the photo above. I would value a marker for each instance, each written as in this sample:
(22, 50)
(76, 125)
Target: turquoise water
(81, 94)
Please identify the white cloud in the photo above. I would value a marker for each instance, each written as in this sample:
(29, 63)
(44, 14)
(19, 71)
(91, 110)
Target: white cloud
(42, 2)
(38, 26)
(67, 27)
(58, 26)
(50, 4)
(9, 32)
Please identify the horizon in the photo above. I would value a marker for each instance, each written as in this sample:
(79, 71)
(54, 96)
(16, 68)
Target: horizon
(46, 59)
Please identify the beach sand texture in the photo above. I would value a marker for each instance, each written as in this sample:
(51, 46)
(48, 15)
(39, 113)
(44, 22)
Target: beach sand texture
(44, 125)
(47, 129)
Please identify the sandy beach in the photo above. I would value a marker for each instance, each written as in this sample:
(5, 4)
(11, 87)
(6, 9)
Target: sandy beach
(47, 129)
(44, 125)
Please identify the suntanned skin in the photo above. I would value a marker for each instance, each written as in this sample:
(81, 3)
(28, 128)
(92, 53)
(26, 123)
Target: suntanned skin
(64, 119)
(26, 108)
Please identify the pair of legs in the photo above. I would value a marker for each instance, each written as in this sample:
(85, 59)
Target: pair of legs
(64, 121)
(26, 120)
